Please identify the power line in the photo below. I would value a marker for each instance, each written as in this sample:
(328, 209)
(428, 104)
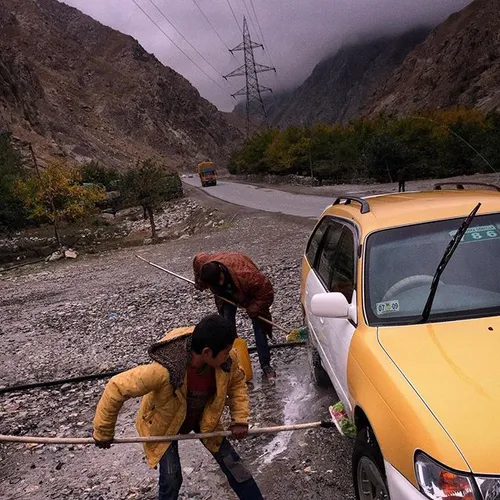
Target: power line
(184, 38)
(258, 24)
(262, 36)
(211, 25)
(234, 15)
(165, 34)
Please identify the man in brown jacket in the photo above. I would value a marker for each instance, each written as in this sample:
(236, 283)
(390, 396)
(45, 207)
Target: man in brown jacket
(194, 374)
(234, 276)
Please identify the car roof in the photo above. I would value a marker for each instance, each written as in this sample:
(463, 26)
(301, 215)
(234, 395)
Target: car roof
(401, 209)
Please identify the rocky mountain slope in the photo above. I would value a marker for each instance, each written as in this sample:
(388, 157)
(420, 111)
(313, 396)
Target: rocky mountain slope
(78, 89)
(340, 85)
(458, 64)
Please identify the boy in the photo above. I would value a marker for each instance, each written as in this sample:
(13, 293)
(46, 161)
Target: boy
(236, 277)
(185, 389)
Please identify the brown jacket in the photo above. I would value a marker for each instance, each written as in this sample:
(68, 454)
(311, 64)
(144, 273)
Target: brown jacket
(253, 291)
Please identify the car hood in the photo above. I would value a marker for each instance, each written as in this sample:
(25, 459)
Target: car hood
(454, 368)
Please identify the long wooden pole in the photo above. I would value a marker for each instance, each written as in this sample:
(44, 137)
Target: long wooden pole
(222, 298)
(162, 439)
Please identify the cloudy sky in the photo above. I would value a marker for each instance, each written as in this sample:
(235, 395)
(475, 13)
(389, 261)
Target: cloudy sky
(296, 33)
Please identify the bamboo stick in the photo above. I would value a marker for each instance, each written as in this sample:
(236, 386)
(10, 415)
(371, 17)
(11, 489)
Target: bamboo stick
(162, 439)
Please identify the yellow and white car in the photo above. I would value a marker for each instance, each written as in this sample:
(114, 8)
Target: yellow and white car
(421, 384)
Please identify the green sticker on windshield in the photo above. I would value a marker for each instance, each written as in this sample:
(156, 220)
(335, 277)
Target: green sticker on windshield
(479, 233)
(391, 306)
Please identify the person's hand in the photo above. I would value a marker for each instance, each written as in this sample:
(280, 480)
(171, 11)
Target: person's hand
(103, 444)
(239, 431)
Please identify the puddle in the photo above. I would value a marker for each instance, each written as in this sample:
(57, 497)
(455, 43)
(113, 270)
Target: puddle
(298, 395)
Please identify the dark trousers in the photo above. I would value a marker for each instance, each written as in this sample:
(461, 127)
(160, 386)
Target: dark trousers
(237, 474)
(228, 311)
(401, 186)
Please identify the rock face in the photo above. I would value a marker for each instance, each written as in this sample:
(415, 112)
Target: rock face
(77, 88)
(458, 64)
(340, 85)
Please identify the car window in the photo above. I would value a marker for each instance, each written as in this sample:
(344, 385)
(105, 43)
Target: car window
(401, 262)
(327, 253)
(343, 268)
(315, 241)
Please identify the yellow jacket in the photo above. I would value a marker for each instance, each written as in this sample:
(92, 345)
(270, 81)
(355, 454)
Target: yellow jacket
(163, 408)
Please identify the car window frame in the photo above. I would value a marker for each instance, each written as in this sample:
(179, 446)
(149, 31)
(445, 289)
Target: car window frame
(311, 238)
(350, 226)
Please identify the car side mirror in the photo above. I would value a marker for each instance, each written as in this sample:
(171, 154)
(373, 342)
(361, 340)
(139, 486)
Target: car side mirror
(332, 305)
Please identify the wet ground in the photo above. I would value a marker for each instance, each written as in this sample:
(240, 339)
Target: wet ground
(100, 312)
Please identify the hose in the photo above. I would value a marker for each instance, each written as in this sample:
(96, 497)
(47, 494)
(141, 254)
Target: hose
(103, 375)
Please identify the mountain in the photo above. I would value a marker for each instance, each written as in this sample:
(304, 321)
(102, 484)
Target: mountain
(458, 64)
(339, 85)
(78, 89)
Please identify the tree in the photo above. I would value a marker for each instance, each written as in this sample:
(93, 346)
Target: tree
(149, 186)
(56, 195)
(94, 172)
(251, 158)
(385, 155)
(13, 213)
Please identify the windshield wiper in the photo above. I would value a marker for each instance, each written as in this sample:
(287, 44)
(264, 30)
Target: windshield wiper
(450, 250)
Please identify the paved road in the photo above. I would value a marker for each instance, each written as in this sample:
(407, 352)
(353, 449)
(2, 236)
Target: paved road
(270, 200)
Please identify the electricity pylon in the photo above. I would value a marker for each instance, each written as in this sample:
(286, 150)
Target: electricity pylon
(252, 90)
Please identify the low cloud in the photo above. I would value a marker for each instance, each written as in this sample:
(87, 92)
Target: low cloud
(297, 34)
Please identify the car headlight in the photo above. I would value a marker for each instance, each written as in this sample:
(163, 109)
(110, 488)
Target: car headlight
(439, 483)
(489, 487)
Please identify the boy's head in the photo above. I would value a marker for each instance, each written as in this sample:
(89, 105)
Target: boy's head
(211, 273)
(213, 338)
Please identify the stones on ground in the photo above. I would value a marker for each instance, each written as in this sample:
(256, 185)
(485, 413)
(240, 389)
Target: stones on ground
(101, 314)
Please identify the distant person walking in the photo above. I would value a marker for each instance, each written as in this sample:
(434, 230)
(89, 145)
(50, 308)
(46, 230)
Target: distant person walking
(401, 180)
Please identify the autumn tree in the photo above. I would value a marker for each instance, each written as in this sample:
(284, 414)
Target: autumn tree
(148, 185)
(56, 195)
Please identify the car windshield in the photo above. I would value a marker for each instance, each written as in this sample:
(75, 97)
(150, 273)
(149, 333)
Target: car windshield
(401, 262)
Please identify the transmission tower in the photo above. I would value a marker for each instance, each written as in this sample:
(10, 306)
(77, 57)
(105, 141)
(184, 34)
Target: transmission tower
(252, 90)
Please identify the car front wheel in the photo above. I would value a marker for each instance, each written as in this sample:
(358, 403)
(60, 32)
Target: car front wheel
(368, 468)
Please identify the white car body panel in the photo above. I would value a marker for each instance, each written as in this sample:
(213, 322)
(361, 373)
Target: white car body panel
(332, 338)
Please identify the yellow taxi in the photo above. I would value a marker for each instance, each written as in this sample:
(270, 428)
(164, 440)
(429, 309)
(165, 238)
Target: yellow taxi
(401, 297)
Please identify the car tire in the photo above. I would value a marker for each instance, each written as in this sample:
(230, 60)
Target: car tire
(318, 373)
(370, 482)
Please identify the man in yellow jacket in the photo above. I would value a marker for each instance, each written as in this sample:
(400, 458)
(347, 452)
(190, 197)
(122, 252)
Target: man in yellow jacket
(194, 374)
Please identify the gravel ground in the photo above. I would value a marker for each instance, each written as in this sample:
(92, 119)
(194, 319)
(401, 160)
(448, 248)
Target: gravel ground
(101, 312)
